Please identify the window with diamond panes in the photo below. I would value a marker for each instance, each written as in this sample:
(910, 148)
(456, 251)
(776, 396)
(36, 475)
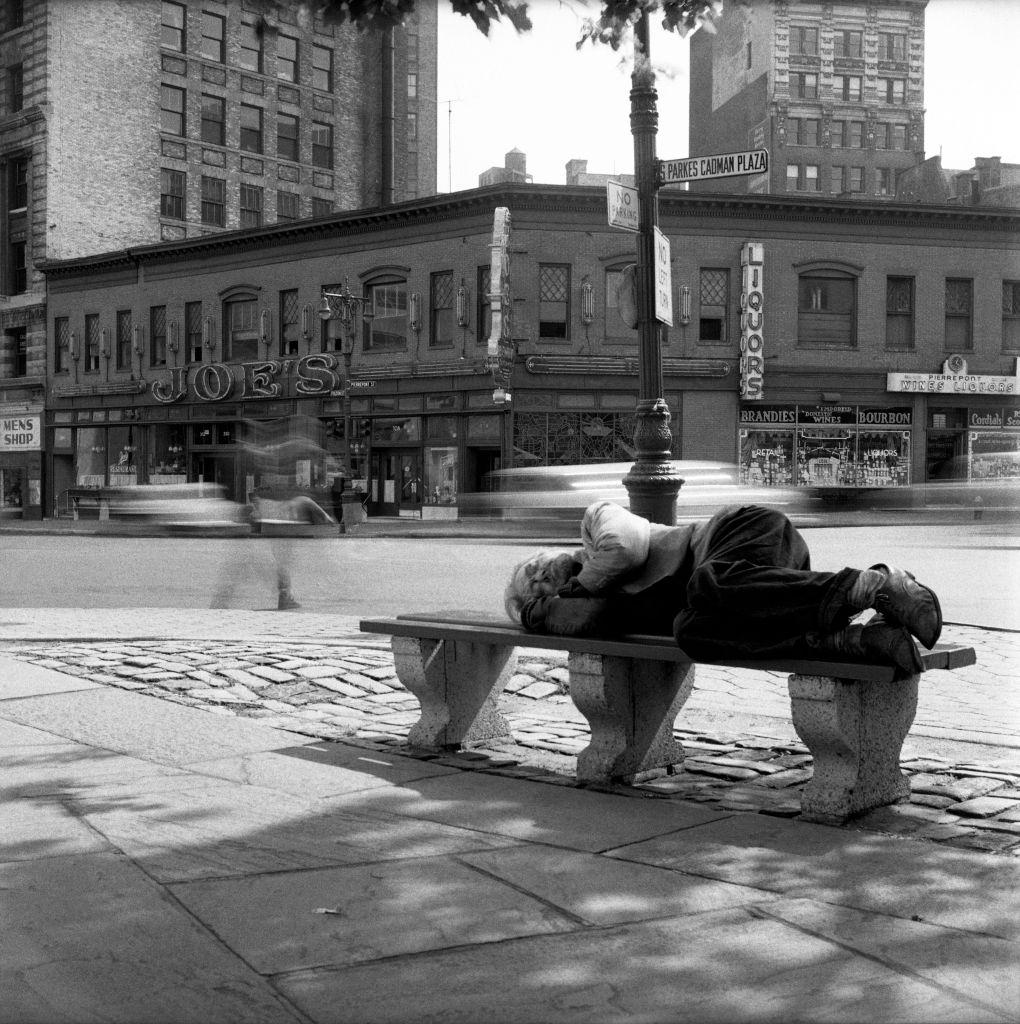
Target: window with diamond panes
(441, 310)
(290, 323)
(61, 343)
(575, 438)
(92, 343)
(1010, 316)
(554, 301)
(193, 331)
(959, 310)
(899, 312)
(713, 302)
(124, 339)
(157, 336)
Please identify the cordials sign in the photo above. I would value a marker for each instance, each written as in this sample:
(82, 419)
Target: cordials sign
(214, 382)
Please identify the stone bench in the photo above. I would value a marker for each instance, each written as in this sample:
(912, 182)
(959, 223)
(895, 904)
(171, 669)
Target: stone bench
(852, 717)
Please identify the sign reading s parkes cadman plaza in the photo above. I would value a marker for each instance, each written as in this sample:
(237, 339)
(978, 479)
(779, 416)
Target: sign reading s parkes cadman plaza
(720, 165)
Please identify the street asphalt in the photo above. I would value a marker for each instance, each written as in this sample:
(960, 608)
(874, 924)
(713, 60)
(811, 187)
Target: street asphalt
(212, 815)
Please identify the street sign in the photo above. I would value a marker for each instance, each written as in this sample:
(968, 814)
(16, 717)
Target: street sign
(355, 384)
(722, 165)
(663, 280)
(622, 203)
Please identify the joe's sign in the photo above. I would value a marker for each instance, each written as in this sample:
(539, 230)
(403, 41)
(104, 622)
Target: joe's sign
(214, 382)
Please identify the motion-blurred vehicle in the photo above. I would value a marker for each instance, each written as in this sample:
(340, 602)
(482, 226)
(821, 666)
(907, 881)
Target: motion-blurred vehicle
(564, 492)
(178, 508)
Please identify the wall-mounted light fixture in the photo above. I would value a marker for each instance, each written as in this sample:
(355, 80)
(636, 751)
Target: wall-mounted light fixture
(208, 333)
(462, 305)
(306, 322)
(587, 300)
(73, 346)
(265, 328)
(685, 304)
(173, 342)
(136, 339)
(414, 312)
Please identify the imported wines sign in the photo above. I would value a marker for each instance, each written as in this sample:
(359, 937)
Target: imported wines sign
(20, 433)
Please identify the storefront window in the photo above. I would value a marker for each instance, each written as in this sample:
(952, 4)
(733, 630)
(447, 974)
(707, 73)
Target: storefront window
(883, 459)
(166, 454)
(766, 458)
(90, 457)
(122, 450)
(442, 428)
(386, 430)
(12, 488)
(994, 456)
(440, 476)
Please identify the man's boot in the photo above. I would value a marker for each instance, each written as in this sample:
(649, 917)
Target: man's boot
(902, 599)
(876, 641)
(286, 601)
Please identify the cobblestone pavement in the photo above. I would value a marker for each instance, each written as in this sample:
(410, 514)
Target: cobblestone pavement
(344, 686)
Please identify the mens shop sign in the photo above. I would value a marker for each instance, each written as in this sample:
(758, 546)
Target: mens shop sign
(20, 433)
(214, 382)
(955, 383)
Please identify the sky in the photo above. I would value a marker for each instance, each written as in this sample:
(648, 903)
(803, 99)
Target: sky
(536, 92)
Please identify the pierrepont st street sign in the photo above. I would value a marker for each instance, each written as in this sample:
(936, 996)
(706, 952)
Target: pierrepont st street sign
(722, 165)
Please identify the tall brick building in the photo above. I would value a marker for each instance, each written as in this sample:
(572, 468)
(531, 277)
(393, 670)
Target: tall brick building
(129, 123)
(833, 90)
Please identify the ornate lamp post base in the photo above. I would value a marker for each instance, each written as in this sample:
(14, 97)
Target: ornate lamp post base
(652, 482)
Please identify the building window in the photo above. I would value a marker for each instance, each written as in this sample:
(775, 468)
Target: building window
(18, 275)
(855, 179)
(883, 136)
(837, 134)
(713, 303)
(838, 175)
(792, 177)
(172, 34)
(287, 135)
(617, 330)
(388, 328)
(214, 201)
(288, 206)
(322, 145)
(213, 119)
(899, 137)
(172, 188)
(250, 56)
(441, 310)
(241, 322)
(554, 301)
(854, 138)
(826, 309)
(251, 128)
(804, 85)
(92, 342)
(15, 88)
(61, 343)
(412, 127)
(802, 131)
(892, 46)
(171, 112)
(804, 41)
(848, 88)
(899, 312)
(483, 314)
(959, 314)
(321, 207)
(847, 44)
(322, 68)
(290, 323)
(892, 90)
(17, 185)
(286, 58)
(412, 85)
(884, 181)
(251, 206)
(124, 324)
(811, 182)
(1010, 315)
(157, 336)
(213, 35)
(193, 331)
(17, 343)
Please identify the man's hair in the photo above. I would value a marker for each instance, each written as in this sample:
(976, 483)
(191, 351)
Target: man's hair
(518, 590)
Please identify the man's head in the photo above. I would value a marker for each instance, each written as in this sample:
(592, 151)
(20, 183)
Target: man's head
(540, 575)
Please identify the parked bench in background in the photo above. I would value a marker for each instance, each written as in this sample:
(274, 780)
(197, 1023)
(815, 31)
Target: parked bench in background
(852, 717)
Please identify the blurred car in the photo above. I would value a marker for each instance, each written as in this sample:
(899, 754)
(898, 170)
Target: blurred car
(564, 492)
(178, 508)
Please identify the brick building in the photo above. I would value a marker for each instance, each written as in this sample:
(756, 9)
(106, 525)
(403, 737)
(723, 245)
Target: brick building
(889, 349)
(833, 90)
(128, 123)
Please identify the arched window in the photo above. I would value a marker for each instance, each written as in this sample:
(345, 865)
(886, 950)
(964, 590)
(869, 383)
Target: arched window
(827, 304)
(240, 324)
(386, 331)
(617, 279)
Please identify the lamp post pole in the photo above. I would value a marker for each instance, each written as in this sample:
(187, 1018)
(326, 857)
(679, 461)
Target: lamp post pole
(652, 482)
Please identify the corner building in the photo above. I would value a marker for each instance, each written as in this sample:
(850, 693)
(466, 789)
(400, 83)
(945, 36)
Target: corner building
(833, 90)
(888, 354)
(127, 123)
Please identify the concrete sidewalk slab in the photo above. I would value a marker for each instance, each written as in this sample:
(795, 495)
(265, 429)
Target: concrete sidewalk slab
(20, 680)
(92, 938)
(724, 966)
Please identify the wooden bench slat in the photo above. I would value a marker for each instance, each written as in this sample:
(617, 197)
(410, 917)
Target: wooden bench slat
(488, 630)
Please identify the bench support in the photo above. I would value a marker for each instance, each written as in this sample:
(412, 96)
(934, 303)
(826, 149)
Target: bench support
(631, 705)
(457, 684)
(855, 731)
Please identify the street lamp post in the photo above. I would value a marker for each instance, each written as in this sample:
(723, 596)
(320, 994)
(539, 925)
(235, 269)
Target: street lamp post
(346, 307)
(652, 482)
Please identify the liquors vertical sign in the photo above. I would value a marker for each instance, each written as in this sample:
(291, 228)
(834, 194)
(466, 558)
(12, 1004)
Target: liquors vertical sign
(752, 322)
(499, 356)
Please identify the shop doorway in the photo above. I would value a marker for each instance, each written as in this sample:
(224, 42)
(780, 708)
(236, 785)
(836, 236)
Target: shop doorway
(396, 487)
(480, 463)
(215, 469)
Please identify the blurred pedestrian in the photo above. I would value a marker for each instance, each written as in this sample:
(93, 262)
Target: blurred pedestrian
(282, 517)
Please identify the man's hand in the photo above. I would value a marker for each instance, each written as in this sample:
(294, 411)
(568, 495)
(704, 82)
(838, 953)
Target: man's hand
(570, 616)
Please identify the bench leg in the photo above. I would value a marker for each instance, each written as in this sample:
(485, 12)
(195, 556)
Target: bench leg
(631, 705)
(855, 732)
(457, 685)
